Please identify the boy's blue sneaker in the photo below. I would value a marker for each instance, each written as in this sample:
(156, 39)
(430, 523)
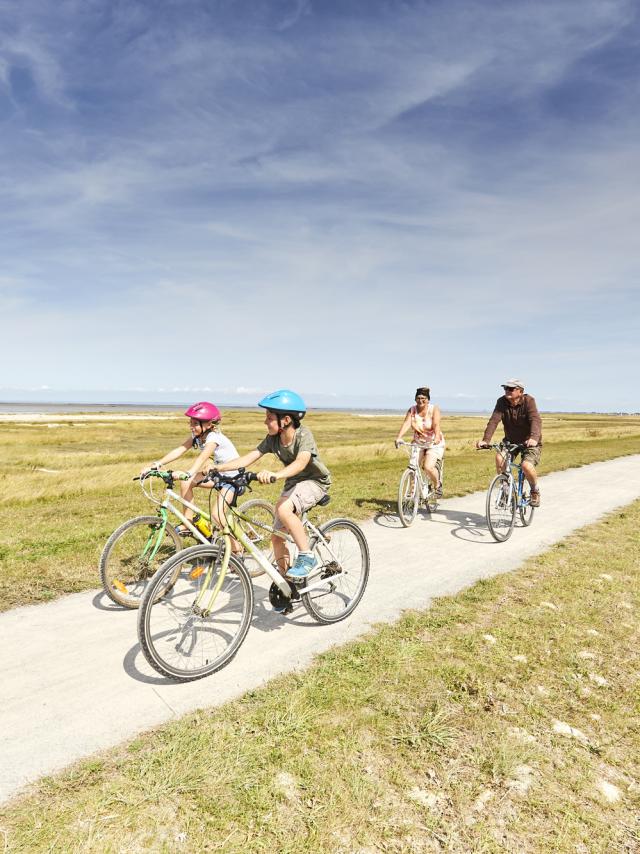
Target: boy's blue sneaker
(302, 567)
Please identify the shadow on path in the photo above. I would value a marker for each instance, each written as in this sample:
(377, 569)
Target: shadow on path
(101, 602)
(264, 619)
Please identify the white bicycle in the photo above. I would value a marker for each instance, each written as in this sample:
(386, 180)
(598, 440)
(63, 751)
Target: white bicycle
(415, 488)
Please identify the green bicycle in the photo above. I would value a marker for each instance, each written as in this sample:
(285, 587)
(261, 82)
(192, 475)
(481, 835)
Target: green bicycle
(197, 609)
(140, 545)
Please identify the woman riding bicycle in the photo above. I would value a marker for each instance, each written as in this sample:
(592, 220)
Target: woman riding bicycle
(424, 419)
(207, 438)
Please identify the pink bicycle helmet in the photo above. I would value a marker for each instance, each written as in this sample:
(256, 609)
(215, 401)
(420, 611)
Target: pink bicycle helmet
(204, 411)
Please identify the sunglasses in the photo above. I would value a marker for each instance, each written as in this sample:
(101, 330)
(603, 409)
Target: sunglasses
(510, 387)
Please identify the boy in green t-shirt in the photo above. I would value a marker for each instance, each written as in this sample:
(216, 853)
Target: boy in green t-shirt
(306, 478)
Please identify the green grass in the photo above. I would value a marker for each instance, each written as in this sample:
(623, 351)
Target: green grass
(54, 523)
(443, 732)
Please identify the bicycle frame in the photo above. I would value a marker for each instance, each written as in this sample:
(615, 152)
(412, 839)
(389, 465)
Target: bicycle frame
(515, 483)
(414, 465)
(232, 529)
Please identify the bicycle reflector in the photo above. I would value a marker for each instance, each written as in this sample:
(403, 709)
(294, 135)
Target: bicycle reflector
(196, 572)
(119, 586)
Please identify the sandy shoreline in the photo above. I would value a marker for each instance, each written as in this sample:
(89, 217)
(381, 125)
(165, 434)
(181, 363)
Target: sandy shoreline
(48, 417)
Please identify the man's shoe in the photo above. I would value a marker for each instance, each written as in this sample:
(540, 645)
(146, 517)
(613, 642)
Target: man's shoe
(534, 499)
(302, 567)
(438, 491)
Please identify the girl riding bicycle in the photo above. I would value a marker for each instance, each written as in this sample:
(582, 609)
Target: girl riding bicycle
(207, 438)
(424, 419)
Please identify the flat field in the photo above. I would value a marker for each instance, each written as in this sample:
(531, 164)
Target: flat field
(67, 480)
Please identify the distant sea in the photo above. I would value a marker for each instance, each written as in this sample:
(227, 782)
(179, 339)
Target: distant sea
(62, 408)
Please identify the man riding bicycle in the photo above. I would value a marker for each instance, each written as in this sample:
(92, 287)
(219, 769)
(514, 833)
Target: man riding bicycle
(522, 426)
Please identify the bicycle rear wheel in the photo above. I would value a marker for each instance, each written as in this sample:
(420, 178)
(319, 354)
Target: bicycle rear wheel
(186, 639)
(432, 498)
(501, 508)
(408, 500)
(525, 509)
(343, 570)
(259, 511)
(131, 556)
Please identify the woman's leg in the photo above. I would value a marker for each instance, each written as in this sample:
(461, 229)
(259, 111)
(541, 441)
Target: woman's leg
(430, 468)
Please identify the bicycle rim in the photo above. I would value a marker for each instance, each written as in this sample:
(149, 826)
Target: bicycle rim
(344, 569)
(179, 636)
(408, 497)
(525, 510)
(432, 498)
(131, 556)
(501, 508)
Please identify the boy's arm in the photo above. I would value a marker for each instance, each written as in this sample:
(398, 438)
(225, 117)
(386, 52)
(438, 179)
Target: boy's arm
(299, 464)
(240, 462)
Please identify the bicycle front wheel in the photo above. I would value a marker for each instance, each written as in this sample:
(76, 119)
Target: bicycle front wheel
(131, 556)
(501, 508)
(258, 512)
(342, 574)
(408, 497)
(185, 631)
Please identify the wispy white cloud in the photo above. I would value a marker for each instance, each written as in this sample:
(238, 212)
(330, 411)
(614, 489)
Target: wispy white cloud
(355, 181)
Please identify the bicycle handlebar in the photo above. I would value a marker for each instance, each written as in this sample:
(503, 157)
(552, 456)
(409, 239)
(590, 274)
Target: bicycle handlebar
(511, 447)
(242, 479)
(167, 476)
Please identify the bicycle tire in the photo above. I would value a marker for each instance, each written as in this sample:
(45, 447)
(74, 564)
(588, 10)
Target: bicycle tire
(176, 640)
(408, 497)
(501, 510)
(525, 510)
(125, 568)
(346, 583)
(261, 511)
(432, 499)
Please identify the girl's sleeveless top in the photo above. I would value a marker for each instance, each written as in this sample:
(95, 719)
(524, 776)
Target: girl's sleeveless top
(224, 450)
(423, 432)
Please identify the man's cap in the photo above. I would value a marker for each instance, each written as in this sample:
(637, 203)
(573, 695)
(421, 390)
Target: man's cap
(513, 384)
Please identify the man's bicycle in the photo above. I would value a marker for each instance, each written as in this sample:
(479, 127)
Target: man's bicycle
(140, 545)
(197, 609)
(415, 488)
(509, 493)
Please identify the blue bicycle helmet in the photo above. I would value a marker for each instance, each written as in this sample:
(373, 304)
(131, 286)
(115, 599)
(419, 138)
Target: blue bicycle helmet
(284, 402)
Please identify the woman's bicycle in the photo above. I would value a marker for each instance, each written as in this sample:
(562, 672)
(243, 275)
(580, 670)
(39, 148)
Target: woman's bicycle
(415, 488)
(139, 546)
(197, 609)
(509, 493)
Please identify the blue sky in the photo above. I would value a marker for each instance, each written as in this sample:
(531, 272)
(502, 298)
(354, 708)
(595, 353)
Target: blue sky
(214, 199)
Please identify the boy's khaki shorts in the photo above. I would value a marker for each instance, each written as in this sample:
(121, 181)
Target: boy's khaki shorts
(304, 496)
